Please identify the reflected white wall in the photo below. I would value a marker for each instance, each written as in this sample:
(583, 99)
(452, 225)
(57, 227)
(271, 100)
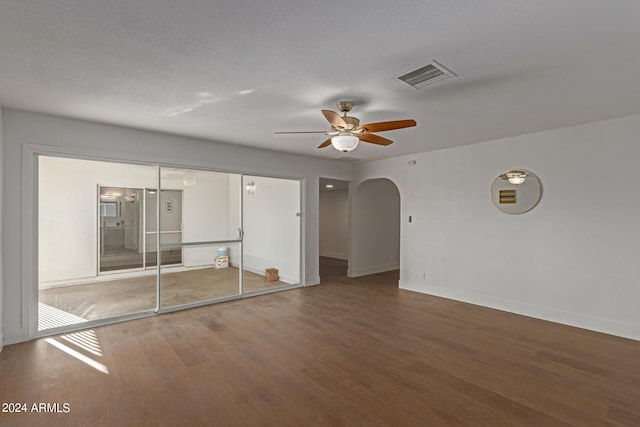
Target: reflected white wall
(206, 215)
(68, 217)
(68, 237)
(272, 226)
(68, 213)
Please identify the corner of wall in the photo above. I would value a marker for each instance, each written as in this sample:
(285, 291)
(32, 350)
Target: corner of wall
(336, 255)
(375, 269)
(1, 239)
(312, 281)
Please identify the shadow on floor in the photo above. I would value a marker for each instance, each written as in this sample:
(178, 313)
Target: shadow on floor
(335, 270)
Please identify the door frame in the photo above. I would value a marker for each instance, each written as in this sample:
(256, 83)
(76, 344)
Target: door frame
(29, 231)
(100, 236)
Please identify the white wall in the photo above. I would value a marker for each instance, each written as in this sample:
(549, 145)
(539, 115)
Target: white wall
(68, 212)
(375, 220)
(24, 130)
(1, 233)
(573, 259)
(67, 202)
(272, 227)
(235, 187)
(334, 224)
(205, 215)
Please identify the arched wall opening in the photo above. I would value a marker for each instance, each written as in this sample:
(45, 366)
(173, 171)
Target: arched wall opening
(374, 238)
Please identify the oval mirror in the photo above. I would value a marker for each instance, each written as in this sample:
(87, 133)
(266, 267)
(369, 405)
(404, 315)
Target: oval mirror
(516, 192)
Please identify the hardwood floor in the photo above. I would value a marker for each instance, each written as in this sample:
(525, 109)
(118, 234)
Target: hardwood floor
(346, 352)
(101, 300)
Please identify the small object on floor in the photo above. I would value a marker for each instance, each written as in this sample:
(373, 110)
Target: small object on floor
(271, 274)
(221, 262)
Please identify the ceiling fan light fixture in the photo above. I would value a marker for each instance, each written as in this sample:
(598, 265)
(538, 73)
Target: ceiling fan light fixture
(346, 131)
(189, 180)
(515, 177)
(345, 142)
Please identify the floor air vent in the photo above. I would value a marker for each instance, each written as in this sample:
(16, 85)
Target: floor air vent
(426, 75)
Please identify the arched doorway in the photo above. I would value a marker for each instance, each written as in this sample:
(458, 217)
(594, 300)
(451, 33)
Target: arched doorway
(374, 238)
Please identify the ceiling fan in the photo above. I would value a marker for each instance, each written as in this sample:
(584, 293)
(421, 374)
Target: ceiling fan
(346, 131)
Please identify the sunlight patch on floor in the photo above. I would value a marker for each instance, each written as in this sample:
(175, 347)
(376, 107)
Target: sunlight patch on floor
(76, 354)
(85, 341)
(51, 317)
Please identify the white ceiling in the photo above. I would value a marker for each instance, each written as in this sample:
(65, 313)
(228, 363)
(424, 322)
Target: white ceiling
(236, 71)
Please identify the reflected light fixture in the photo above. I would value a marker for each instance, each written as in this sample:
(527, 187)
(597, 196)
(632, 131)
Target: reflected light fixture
(189, 180)
(515, 177)
(345, 142)
(251, 188)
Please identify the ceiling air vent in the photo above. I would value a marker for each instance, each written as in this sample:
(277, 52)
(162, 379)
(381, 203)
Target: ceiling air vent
(426, 75)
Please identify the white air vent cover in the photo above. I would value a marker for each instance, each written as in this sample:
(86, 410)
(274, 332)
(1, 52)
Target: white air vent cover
(426, 75)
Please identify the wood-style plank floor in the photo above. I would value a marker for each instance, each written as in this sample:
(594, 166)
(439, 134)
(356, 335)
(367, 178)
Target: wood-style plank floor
(100, 300)
(355, 352)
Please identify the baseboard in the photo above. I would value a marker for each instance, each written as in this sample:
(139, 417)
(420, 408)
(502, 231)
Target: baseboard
(13, 338)
(335, 255)
(287, 280)
(607, 326)
(1, 342)
(372, 270)
(140, 273)
(108, 277)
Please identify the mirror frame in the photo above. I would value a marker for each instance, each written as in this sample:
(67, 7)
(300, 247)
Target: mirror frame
(516, 199)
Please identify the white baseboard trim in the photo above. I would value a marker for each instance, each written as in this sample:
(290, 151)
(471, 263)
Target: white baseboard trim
(287, 280)
(13, 338)
(336, 255)
(108, 277)
(372, 270)
(607, 326)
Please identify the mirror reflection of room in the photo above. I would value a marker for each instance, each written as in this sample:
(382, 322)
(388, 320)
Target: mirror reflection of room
(120, 232)
(170, 227)
(516, 192)
(98, 239)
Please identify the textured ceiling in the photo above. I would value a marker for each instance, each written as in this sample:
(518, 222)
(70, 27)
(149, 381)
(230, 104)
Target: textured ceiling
(236, 71)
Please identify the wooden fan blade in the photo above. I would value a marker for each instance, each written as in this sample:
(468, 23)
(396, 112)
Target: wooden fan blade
(382, 126)
(325, 144)
(375, 139)
(312, 131)
(335, 119)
